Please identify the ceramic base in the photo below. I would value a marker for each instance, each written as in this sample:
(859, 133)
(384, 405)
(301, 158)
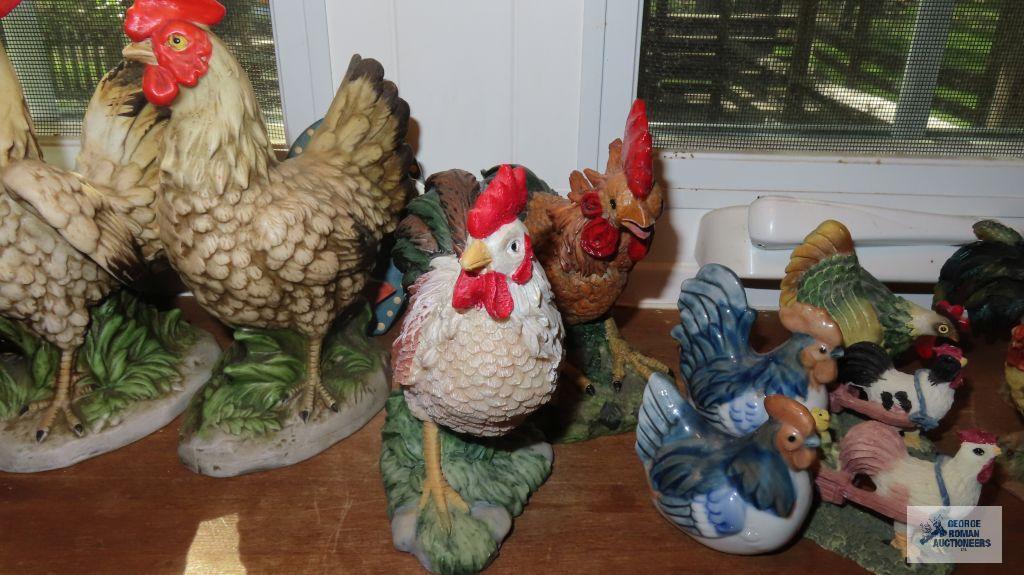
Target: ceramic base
(220, 454)
(495, 477)
(246, 418)
(20, 453)
(574, 415)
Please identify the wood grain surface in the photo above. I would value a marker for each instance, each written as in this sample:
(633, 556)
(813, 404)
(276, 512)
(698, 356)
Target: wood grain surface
(138, 510)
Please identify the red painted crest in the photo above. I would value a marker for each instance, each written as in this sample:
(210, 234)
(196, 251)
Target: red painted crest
(637, 150)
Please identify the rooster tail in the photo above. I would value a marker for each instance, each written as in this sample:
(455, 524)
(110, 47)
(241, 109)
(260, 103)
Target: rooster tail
(364, 131)
(871, 448)
(17, 136)
(435, 223)
(828, 239)
(664, 417)
(714, 319)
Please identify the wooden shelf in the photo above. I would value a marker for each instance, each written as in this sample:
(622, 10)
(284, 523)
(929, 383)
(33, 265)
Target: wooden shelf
(138, 510)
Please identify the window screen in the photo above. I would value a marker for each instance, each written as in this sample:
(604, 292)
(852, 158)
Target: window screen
(893, 77)
(61, 49)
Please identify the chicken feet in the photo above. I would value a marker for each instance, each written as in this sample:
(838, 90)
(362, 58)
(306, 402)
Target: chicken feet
(435, 486)
(61, 401)
(313, 391)
(624, 355)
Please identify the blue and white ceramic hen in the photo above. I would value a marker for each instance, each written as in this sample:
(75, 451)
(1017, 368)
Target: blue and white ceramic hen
(741, 495)
(727, 379)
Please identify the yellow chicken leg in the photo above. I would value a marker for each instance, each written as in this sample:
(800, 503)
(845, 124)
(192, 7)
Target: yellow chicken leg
(61, 401)
(313, 389)
(624, 355)
(435, 486)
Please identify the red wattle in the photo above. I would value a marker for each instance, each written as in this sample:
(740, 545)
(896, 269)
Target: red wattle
(599, 238)
(638, 248)
(489, 290)
(986, 472)
(159, 86)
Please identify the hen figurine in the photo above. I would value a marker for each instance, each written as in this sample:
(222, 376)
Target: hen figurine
(877, 451)
(727, 380)
(481, 344)
(742, 495)
(920, 399)
(56, 260)
(824, 272)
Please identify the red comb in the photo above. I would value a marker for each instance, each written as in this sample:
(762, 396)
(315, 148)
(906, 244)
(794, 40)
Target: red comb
(7, 5)
(977, 436)
(500, 203)
(146, 16)
(636, 150)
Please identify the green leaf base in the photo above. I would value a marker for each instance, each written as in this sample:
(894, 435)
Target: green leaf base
(246, 418)
(574, 415)
(139, 368)
(495, 477)
(859, 534)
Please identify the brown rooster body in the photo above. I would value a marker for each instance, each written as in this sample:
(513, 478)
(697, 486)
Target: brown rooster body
(589, 242)
(260, 243)
(51, 250)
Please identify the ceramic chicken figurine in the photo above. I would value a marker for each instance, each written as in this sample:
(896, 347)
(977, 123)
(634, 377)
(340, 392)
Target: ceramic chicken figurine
(589, 242)
(726, 379)
(478, 352)
(742, 495)
(877, 451)
(52, 260)
(896, 398)
(279, 247)
(824, 272)
(986, 278)
(481, 345)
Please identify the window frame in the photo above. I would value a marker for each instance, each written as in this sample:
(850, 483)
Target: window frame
(303, 46)
(611, 55)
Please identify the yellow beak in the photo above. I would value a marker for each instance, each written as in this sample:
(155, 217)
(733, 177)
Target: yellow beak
(476, 257)
(963, 362)
(998, 451)
(141, 52)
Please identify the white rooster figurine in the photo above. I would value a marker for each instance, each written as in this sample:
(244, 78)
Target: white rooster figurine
(877, 451)
(481, 345)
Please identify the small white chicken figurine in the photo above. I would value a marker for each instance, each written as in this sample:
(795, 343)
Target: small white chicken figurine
(481, 345)
(877, 451)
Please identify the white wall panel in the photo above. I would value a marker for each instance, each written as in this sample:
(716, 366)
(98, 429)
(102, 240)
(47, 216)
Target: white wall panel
(487, 82)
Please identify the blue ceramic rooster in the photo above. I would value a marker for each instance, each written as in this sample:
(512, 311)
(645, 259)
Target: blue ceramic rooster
(726, 378)
(741, 495)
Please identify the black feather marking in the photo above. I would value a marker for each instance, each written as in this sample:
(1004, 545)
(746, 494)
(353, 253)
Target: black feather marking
(944, 370)
(863, 364)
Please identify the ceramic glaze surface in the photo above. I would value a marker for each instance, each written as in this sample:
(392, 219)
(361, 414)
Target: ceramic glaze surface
(727, 379)
(741, 495)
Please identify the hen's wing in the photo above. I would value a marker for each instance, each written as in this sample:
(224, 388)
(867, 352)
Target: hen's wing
(762, 478)
(91, 218)
(871, 448)
(363, 136)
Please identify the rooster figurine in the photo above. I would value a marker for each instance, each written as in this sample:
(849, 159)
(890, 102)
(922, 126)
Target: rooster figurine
(920, 399)
(877, 451)
(481, 344)
(986, 278)
(56, 260)
(742, 495)
(727, 380)
(589, 242)
(824, 272)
